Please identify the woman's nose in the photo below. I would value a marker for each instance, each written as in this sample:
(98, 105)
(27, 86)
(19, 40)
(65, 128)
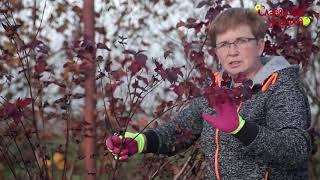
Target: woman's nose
(233, 49)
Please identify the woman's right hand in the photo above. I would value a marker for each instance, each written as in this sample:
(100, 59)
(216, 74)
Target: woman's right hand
(124, 148)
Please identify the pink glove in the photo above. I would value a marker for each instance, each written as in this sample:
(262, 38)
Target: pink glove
(227, 118)
(129, 147)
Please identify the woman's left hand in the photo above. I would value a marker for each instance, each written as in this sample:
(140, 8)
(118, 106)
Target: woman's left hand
(227, 118)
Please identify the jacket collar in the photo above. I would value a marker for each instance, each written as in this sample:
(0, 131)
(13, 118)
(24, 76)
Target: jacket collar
(270, 64)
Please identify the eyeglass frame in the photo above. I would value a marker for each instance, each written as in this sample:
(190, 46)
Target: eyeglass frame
(228, 44)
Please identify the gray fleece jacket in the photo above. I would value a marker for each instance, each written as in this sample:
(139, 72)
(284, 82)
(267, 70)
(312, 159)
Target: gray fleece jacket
(273, 139)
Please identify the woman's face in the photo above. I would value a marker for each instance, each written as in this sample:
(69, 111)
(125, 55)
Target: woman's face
(243, 52)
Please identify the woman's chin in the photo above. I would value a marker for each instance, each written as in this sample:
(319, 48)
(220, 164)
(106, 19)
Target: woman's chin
(233, 72)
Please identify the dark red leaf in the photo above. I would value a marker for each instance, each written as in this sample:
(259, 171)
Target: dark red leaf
(180, 24)
(134, 68)
(197, 57)
(127, 59)
(211, 52)
(9, 77)
(141, 59)
(100, 30)
(23, 103)
(172, 74)
(198, 26)
(191, 20)
(16, 118)
(138, 63)
(41, 58)
(194, 90)
(213, 12)
(145, 80)
(40, 67)
(239, 78)
(169, 104)
(178, 89)
(297, 12)
(10, 109)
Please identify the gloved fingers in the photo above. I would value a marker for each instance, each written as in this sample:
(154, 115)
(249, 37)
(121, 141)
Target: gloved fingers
(226, 108)
(116, 150)
(116, 139)
(124, 152)
(210, 119)
(109, 144)
(124, 158)
(128, 140)
(120, 154)
(207, 116)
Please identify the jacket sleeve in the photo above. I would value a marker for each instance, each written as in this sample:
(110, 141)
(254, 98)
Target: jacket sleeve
(284, 140)
(180, 132)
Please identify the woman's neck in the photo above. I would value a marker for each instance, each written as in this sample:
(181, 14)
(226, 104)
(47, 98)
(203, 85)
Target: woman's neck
(250, 75)
(253, 73)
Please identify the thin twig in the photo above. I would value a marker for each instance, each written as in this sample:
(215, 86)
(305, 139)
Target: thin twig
(106, 116)
(68, 111)
(19, 150)
(157, 171)
(183, 168)
(30, 143)
(7, 158)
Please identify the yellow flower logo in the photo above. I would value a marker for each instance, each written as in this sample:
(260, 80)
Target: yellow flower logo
(306, 20)
(258, 7)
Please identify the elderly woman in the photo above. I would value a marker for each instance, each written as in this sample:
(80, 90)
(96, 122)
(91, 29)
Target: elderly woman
(264, 138)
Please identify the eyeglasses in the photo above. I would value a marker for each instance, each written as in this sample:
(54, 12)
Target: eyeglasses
(239, 43)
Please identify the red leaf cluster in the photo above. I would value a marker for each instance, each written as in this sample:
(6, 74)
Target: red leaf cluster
(23, 103)
(170, 74)
(188, 89)
(197, 57)
(14, 110)
(218, 95)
